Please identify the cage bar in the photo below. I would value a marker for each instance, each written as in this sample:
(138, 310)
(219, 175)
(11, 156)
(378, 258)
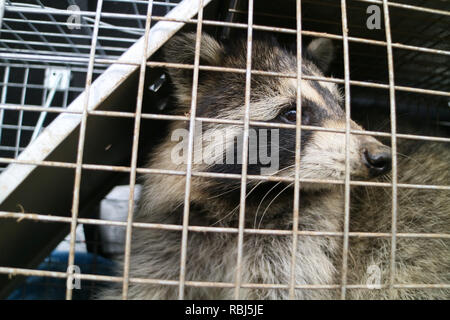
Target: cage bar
(115, 66)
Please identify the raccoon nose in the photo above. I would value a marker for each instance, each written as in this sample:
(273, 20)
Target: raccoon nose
(378, 161)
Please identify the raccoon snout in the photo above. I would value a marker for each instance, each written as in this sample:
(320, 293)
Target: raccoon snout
(377, 160)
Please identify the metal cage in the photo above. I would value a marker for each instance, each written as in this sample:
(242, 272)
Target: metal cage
(68, 68)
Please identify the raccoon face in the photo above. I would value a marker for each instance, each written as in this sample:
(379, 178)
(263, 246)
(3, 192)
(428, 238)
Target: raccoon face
(273, 99)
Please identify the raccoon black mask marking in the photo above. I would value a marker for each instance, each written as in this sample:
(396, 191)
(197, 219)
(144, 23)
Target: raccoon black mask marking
(273, 99)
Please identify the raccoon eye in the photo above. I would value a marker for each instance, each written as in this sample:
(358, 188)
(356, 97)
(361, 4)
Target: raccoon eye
(290, 116)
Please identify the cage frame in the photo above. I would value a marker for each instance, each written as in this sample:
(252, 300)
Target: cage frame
(186, 10)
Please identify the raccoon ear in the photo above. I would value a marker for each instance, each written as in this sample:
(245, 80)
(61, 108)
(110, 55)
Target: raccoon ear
(181, 49)
(321, 52)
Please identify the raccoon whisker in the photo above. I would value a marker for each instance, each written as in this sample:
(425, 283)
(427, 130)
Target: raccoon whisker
(257, 185)
(175, 209)
(383, 124)
(235, 208)
(267, 193)
(284, 189)
(226, 216)
(223, 193)
(412, 159)
(286, 149)
(405, 196)
(262, 200)
(367, 191)
(238, 187)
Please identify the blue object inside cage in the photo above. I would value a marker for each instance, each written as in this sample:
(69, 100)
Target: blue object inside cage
(43, 288)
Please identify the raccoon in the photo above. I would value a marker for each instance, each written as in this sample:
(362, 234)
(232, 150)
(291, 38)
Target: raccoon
(212, 256)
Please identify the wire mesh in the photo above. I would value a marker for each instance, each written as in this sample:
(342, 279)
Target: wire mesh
(45, 64)
(35, 35)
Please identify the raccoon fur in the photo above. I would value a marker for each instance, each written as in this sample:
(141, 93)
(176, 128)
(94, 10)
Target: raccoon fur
(418, 260)
(212, 256)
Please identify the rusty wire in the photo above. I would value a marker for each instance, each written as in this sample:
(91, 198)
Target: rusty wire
(133, 169)
(244, 177)
(298, 136)
(203, 284)
(347, 151)
(80, 149)
(393, 147)
(187, 190)
(134, 152)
